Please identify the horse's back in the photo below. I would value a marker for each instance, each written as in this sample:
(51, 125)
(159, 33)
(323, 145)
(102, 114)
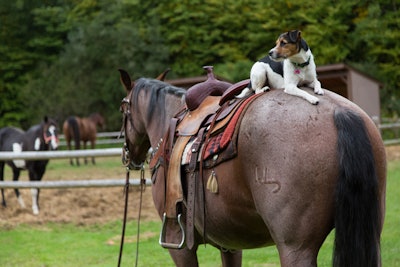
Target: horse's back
(9, 136)
(88, 129)
(289, 130)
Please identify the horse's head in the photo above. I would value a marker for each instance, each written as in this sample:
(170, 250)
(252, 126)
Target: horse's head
(50, 133)
(98, 120)
(137, 142)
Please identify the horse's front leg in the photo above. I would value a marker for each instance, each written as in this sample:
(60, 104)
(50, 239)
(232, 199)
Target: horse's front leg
(231, 258)
(184, 257)
(92, 146)
(35, 200)
(35, 174)
(84, 147)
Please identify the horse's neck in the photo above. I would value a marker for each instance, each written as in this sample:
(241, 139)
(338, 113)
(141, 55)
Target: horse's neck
(96, 120)
(157, 128)
(31, 135)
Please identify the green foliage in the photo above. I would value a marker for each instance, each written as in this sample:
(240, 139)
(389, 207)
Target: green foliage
(378, 51)
(84, 79)
(60, 57)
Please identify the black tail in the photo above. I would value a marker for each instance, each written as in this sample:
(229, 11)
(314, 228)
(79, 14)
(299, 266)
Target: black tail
(358, 214)
(74, 127)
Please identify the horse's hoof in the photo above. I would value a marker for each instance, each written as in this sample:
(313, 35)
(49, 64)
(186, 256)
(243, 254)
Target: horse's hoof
(35, 211)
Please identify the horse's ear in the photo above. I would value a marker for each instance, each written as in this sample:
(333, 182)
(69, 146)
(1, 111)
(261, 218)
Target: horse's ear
(162, 76)
(125, 80)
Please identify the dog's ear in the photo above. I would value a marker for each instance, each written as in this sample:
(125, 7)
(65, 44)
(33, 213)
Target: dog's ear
(303, 45)
(294, 36)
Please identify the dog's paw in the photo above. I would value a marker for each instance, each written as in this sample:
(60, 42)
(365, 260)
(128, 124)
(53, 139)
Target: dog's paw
(262, 90)
(265, 88)
(319, 91)
(313, 100)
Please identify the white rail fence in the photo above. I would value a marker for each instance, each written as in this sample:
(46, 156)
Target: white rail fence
(41, 155)
(395, 128)
(108, 138)
(103, 138)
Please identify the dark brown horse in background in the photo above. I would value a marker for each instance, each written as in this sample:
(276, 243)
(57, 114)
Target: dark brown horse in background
(301, 170)
(82, 129)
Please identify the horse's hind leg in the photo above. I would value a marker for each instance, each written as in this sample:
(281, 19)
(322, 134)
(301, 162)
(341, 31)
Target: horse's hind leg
(3, 199)
(77, 147)
(297, 257)
(184, 257)
(71, 161)
(231, 258)
(16, 173)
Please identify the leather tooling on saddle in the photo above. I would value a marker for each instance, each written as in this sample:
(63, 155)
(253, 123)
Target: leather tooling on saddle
(199, 137)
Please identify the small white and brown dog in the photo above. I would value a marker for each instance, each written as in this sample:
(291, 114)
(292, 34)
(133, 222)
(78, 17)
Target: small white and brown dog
(289, 64)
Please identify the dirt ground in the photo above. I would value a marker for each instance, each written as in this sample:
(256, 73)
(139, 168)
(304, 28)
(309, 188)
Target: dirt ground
(78, 206)
(88, 206)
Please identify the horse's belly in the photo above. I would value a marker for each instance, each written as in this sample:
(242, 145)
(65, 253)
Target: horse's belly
(232, 220)
(238, 233)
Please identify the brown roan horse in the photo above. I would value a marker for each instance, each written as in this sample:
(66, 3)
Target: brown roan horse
(82, 129)
(301, 170)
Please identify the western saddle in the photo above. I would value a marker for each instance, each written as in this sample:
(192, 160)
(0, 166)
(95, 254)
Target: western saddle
(200, 136)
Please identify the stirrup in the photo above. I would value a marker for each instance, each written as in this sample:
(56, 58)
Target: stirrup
(163, 230)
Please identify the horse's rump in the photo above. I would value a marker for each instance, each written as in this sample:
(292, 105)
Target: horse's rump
(71, 131)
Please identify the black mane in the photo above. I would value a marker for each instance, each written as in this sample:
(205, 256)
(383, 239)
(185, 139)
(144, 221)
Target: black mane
(158, 91)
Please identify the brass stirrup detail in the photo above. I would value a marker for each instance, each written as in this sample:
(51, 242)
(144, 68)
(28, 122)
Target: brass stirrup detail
(162, 234)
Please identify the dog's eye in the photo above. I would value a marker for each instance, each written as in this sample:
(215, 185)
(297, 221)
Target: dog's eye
(283, 43)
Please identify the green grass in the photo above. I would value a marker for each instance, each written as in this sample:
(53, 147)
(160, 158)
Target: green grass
(391, 228)
(68, 245)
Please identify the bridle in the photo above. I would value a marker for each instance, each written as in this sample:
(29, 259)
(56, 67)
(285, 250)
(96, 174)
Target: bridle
(51, 138)
(127, 161)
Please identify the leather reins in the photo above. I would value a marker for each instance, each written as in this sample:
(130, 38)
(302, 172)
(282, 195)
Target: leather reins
(130, 165)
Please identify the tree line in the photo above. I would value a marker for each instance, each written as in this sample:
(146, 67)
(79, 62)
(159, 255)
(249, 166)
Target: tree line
(60, 57)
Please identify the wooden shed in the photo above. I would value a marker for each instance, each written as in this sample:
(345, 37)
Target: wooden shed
(354, 85)
(339, 78)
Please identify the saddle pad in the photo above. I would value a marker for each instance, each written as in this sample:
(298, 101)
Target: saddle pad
(218, 142)
(230, 129)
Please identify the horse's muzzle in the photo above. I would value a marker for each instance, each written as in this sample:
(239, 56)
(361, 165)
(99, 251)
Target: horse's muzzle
(128, 162)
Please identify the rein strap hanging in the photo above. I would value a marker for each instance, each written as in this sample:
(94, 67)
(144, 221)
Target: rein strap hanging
(126, 190)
